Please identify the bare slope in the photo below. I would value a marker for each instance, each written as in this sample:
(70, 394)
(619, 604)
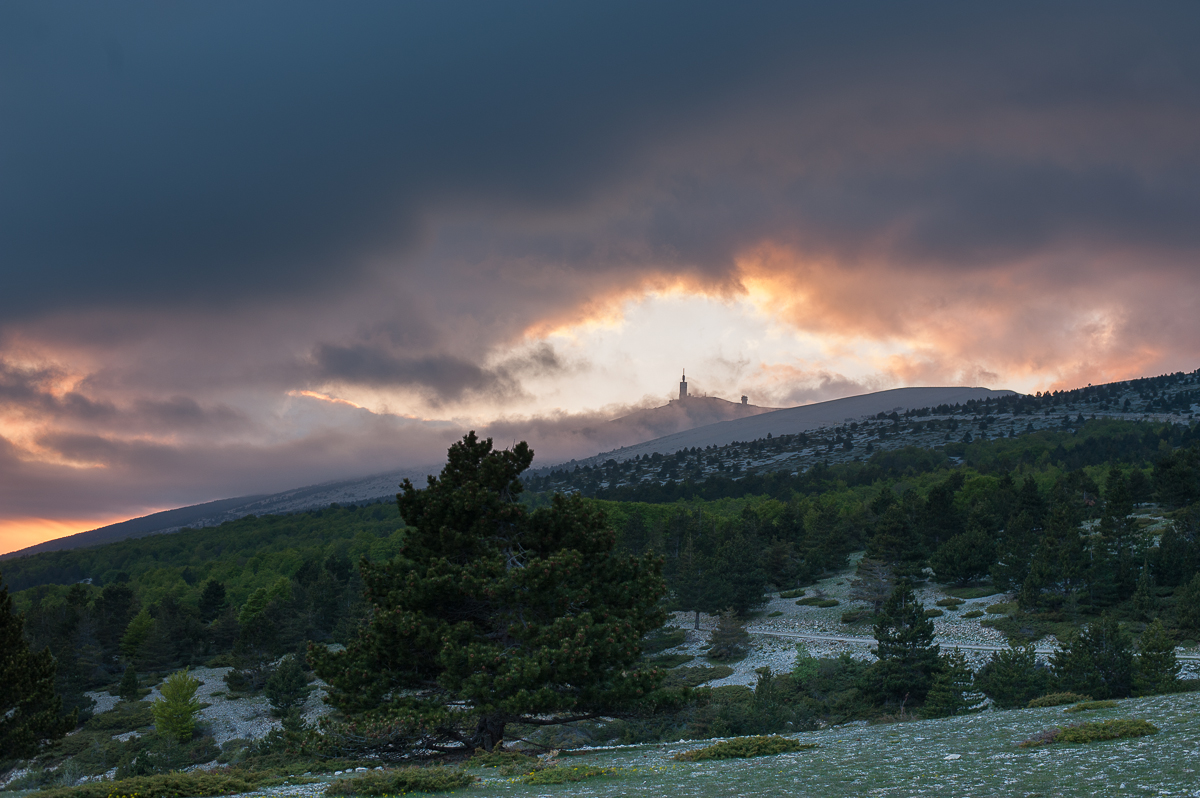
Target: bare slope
(676, 416)
(792, 420)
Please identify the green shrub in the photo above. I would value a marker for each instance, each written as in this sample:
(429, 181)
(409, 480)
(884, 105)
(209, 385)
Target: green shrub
(949, 603)
(1094, 731)
(971, 592)
(854, 616)
(792, 594)
(402, 780)
(562, 775)
(973, 614)
(125, 717)
(744, 748)
(1057, 700)
(696, 675)
(775, 614)
(175, 714)
(1004, 608)
(732, 694)
(817, 601)
(663, 638)
(510, 763)
(167, 785)
(933, 612)
(671, 660)
(1086, 705)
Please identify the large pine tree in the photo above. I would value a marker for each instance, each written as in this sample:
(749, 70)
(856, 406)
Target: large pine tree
(494, 615)
(30, 710)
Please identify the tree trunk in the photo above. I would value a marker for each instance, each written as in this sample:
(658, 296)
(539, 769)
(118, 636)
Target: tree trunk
(489, 732)
(697, 619)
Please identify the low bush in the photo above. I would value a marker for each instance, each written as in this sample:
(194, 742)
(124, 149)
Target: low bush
(696, 675)
(402, 780)
(167, 785)
(817, 601)
(797, 593)
(563, 775)
(949, 603)
(1004, 608)
(1057, 700)
(671, 660)
(663, 638)
(933, 612)
(971, 592)
(744, 748)
(125, 717)
(775, 614)
(973, 614)
(1087, 705)
(1095, 731)
(855, 616)
(510, 763)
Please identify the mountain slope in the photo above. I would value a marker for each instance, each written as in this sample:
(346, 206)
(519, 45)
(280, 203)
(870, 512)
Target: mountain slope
(792, 420)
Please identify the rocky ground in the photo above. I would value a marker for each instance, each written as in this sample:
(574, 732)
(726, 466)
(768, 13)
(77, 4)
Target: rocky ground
(775, 638)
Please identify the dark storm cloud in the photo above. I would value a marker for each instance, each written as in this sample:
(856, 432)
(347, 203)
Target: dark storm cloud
(444, 378)
(224, 152)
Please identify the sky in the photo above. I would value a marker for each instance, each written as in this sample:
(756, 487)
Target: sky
(249, 246)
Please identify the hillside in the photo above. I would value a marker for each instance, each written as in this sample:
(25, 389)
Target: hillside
(794, 420)
(679, 415)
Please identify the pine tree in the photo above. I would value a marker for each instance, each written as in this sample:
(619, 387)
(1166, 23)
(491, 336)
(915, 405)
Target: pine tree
(953, 691)
(175, 713)
(729, 640)
(129, 689)
(29, 707)
(1187, 608)
(964, 558)
(493, 614)
(1156, 669)
(287, 686)
(1012, 677)
(212, 600)
(689, 580)
(1014, 552)
(908, 657)
(1097, 662)
(1145, 602)
(872, 584)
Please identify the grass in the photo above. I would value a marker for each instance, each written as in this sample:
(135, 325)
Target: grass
(906, 759)
(745, 748)
(1003, 608)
